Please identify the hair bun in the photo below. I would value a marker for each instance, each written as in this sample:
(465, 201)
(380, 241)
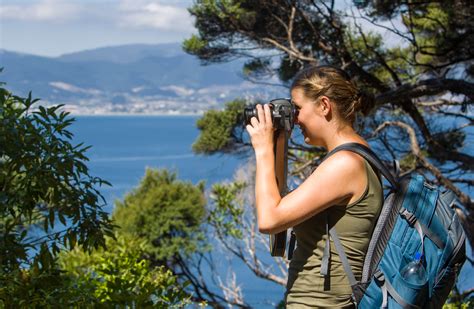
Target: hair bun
(364, 102)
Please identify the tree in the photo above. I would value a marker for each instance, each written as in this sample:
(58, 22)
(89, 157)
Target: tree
(218, 130)
(421, 76)
(119, 276)
(232, 219)
(164, 212)
(415, 57)
(49, 201)
(168, 216)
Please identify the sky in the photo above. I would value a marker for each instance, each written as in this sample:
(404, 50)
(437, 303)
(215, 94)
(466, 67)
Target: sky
(55, 27)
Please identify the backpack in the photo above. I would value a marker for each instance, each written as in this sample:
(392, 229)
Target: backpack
(416, 217)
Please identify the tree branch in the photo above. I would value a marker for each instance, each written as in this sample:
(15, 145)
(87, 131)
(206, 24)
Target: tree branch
(380, 58)
(294, 53)
(415, 149)
(316, 34)
(427, 87)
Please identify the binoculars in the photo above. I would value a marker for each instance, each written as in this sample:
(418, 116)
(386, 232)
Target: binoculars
(283, 113)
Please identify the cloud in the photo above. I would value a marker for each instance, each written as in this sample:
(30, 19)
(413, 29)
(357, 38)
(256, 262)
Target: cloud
(45, 10)
(156, 15)
(170, 16)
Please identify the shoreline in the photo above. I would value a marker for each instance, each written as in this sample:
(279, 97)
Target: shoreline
(135, 114)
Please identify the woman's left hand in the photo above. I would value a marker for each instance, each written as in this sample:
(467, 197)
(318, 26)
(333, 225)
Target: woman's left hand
(261, 130)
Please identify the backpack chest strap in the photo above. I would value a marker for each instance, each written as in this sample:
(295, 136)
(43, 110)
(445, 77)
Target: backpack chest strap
(422, 229)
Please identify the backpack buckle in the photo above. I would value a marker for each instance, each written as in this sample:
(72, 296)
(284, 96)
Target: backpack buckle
(410, 217)
(379, 277)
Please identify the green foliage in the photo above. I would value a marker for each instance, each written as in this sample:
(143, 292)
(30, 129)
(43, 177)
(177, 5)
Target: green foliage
(458, 301)
(288, 68)
(451, 139)
(408, 162)
(226, 216)
(225, 11)
(48, 199)
(368, 47)
(220, 129)
(194, 43)
(119, 276)
(165, 213)
(33, 288)
(220, 11)
(254, 67)
(440, 31)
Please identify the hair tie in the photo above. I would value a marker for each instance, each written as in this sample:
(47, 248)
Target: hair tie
(356, 96)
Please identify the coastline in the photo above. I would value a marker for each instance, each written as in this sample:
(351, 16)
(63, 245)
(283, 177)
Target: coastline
(135, 114)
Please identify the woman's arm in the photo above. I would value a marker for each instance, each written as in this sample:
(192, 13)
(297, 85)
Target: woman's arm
(267, 194)
(338, 179)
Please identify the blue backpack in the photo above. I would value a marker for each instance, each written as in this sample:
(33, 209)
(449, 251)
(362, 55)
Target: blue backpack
(416, 219)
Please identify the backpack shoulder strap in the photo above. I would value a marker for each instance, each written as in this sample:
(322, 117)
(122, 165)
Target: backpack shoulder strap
(370, 156)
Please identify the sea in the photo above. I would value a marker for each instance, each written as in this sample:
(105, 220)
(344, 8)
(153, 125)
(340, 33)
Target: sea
(124, 146)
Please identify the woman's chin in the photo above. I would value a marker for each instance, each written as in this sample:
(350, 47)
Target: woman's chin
(311, 142)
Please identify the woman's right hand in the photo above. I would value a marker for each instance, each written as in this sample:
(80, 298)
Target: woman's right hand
(261, 130)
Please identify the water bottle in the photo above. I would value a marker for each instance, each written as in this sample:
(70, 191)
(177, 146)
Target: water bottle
(414, 272)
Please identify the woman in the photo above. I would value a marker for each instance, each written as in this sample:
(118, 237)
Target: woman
(344, 189)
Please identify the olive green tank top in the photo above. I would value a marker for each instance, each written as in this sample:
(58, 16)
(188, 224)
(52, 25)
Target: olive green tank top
(306, 287)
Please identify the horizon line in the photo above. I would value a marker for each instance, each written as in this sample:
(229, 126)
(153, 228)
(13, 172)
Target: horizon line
(85, 50)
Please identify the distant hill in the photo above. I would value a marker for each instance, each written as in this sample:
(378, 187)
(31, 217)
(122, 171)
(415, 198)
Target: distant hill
(133, 69)
(125, 53)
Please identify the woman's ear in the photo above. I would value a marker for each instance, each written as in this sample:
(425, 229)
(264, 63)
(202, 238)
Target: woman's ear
(325, 105)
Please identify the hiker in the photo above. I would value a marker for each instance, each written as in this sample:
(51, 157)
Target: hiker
(344, 190)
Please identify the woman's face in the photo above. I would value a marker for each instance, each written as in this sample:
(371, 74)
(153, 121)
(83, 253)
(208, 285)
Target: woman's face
(309, 117)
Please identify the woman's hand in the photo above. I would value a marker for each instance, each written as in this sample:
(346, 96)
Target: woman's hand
(261, 130)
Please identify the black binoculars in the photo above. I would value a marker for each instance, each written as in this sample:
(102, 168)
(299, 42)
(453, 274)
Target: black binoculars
(283, 113)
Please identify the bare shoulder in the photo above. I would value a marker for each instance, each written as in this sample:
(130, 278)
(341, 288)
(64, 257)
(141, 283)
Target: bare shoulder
(339, 180)
(344, 161)
(346, 171)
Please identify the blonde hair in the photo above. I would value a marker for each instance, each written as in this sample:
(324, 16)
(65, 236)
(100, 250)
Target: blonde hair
(336, 84)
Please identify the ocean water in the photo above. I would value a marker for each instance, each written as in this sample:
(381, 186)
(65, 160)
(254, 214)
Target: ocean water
(124, 146)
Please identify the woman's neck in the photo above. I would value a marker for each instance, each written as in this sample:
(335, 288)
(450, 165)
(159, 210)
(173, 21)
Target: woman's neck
(342, 135)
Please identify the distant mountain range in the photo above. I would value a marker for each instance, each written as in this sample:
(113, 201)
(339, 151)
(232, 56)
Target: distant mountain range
(130, 68)
(122, 75)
